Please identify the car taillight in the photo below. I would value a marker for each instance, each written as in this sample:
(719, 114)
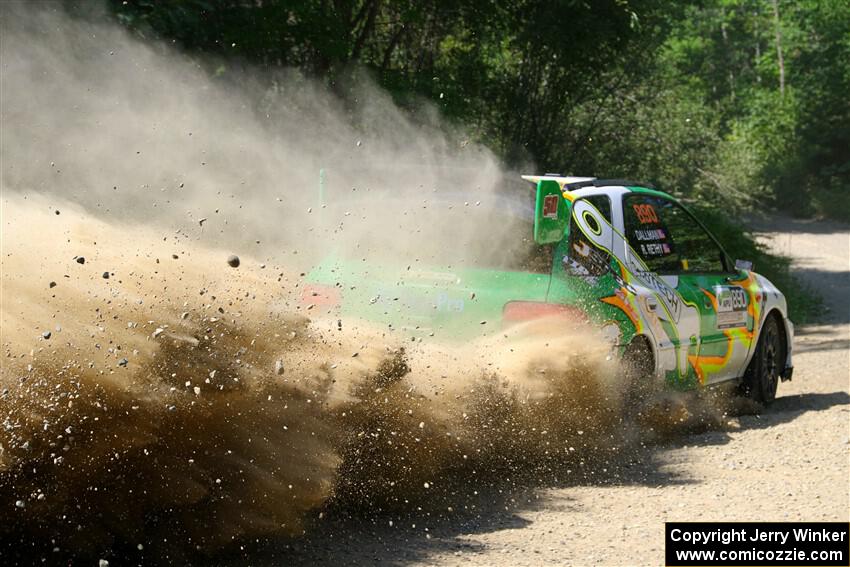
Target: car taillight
(516, 311)
(318, 294)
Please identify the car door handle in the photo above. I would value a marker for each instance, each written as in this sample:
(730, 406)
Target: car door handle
(651, 304)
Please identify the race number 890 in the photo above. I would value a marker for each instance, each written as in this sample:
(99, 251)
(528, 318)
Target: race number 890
(645, 214)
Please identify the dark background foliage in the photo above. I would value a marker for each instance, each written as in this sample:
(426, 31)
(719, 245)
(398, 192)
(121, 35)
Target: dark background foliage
(741, 102)
(738, 106)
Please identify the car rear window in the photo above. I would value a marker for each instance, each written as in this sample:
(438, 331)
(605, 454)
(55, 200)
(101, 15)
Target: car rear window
(584, 258)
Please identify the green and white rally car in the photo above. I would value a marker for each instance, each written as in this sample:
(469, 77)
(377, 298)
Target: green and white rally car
(630, 259)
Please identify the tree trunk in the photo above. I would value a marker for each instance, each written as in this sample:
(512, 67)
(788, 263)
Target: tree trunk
(388, 52)
(729, 59)
(779, 57)
(365, 30)
(756, 16)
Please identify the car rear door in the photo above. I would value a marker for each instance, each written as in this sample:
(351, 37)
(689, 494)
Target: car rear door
(668, 303)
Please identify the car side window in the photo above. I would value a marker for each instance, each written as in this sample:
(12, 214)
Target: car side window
(583, 257)
(667, 238)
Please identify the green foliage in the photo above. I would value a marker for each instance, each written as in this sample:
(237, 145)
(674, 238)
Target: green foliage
(655, 135)
(783, 144)
(738, 103)
(690, 95)
(511, 70)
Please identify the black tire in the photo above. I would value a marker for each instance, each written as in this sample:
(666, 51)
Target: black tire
(638, 373)
(762, 376)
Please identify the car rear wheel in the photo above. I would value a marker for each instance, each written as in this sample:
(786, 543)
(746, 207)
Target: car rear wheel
(638, 371)
(762, 376)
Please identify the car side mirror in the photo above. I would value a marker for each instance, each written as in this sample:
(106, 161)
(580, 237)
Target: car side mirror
(744, 265)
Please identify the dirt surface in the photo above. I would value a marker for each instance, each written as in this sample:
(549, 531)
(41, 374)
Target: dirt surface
(791, 462)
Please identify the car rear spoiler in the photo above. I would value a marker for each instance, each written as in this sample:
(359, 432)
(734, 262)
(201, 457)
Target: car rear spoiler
(552, 205)
(559, 179)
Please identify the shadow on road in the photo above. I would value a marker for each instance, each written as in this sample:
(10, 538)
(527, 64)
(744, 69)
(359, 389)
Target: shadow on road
(820, 254)
(351, 536)
(832, 285)
(785, 224)
(787, 408)
(831, 344)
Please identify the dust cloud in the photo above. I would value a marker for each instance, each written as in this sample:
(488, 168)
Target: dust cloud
(156, 402)
(137, 132)
(173, 407)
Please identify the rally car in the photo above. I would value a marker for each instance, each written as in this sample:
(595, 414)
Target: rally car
(628, 258)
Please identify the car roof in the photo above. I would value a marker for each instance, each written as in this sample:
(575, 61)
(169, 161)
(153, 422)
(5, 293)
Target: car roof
(596, 189)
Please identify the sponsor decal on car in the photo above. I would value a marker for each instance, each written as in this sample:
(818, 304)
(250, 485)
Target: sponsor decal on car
(550, 206)
(731, 307)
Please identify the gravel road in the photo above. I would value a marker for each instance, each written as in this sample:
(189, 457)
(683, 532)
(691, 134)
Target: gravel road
(791, 462)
